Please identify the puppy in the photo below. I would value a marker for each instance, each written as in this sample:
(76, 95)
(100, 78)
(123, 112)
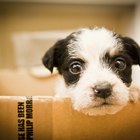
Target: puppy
(96, 66)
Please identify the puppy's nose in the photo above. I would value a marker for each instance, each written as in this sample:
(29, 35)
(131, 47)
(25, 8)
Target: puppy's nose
(102, 90)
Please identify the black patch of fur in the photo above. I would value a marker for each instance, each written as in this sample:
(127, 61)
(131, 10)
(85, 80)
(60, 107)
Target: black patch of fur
(57, 56)
(125, 75)
(53, 56)
(132, 48)
(130, 53)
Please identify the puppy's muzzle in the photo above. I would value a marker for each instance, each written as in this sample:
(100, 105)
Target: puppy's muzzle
(102, 90)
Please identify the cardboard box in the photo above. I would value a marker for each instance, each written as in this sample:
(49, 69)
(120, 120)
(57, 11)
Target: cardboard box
(48, 118)
(34, 114)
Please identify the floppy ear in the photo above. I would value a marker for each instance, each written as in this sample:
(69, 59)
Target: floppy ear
(52, 56)
(48, 59)
(133, 49)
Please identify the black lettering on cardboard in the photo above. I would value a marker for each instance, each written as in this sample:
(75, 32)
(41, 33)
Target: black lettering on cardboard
(20, 109)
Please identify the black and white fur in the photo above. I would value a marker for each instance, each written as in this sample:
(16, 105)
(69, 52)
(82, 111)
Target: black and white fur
(96, 67)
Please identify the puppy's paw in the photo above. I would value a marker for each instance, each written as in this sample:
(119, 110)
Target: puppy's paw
(134, 93)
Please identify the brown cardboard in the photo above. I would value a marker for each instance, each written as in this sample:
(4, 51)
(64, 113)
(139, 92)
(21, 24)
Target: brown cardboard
(54, 119)
(11, 118)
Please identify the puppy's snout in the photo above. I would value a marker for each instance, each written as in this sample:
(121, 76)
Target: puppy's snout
(102, 90)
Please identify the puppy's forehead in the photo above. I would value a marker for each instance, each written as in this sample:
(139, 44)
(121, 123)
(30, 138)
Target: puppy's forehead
(94, 42)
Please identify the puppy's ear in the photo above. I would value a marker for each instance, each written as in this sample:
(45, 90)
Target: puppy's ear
(52, 56)
(132, 49)
(48, 59)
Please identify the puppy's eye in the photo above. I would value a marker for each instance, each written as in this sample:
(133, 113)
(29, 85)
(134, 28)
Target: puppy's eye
(75, 67)
(120, 64)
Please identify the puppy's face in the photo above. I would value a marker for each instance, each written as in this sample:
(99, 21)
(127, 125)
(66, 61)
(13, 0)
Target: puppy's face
(96, 67)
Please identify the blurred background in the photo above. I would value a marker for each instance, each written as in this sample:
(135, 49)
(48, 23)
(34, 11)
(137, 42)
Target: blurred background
(23, 24)
(29, 27)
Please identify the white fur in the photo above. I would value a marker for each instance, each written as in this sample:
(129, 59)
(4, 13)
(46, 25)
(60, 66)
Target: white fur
(89, 41)
(90, 46)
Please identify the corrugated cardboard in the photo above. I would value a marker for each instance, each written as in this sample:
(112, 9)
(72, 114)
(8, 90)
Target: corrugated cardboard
(51, 118)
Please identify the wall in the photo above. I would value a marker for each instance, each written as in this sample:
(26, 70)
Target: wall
(20, 17)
